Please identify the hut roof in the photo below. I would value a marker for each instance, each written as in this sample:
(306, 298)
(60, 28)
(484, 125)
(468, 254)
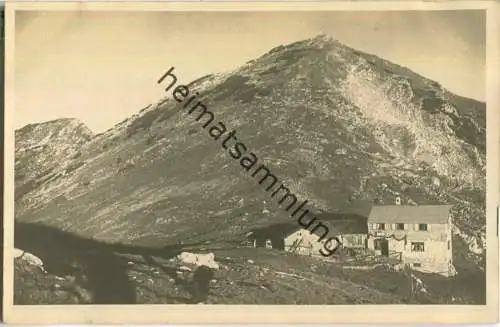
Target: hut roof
(424, 214)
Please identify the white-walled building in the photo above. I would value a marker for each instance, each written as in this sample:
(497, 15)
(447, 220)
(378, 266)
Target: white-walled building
(421, 235)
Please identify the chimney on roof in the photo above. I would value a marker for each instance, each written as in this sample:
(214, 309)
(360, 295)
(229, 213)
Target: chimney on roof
(398, 201)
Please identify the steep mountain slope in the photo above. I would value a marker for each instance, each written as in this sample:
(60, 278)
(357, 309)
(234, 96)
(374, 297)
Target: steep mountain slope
(334, 123)
(44, 152)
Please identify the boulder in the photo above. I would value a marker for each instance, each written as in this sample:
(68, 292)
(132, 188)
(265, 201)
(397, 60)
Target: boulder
(28, 257)
(199, 259)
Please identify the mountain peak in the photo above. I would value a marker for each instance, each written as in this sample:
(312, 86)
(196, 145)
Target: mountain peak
(60, 122)
(324, 38)
(308, 110)
(62, 130)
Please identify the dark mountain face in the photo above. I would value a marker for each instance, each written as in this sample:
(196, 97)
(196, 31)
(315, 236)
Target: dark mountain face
(334, 124)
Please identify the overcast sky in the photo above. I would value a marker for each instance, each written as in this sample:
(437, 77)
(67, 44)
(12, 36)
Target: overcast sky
(101, 67)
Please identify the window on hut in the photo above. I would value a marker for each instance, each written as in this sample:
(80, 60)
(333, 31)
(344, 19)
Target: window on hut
(422, 227)
(417, 246)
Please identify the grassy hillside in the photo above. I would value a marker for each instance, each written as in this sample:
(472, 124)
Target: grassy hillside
(334, 124)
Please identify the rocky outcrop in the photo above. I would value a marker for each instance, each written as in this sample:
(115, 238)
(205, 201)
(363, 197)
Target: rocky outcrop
(46, 152)
(29, 258)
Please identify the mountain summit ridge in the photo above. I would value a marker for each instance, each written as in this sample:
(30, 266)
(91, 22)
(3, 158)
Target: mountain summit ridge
(336, 124)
